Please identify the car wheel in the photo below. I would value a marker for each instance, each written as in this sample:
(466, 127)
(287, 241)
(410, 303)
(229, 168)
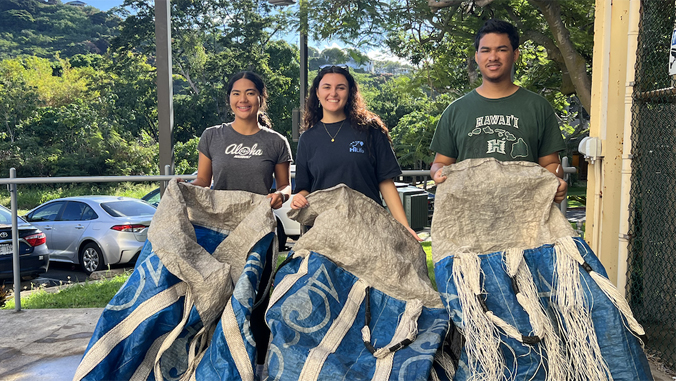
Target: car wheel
(91, 258)
(281, 236)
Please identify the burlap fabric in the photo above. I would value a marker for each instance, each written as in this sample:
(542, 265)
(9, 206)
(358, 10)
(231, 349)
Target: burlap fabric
(245, 217)
(361, 236)
(493, 205)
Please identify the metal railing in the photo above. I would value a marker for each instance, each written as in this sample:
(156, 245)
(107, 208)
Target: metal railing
(13, 181)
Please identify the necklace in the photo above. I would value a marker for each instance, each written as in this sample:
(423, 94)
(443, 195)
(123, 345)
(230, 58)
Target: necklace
(333, 138)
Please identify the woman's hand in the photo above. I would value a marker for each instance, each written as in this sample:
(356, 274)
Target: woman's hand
(276, 199)
(299, 201)
(415, 235)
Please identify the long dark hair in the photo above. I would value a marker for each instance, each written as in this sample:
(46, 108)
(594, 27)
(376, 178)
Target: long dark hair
(263, 118)
(355, 108)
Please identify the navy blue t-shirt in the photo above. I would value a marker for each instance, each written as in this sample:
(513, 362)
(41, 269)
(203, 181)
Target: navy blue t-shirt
(360, 160)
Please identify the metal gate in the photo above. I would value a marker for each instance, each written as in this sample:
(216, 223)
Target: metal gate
(651, 286)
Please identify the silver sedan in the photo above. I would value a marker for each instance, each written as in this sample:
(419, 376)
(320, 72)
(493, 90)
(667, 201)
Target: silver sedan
(93, 231)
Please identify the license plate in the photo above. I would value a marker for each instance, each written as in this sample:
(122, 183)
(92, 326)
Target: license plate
(5, 249)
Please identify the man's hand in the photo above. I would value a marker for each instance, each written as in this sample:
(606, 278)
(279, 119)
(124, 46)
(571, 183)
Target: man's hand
(440, 161)
(560, 191)
(438, 177)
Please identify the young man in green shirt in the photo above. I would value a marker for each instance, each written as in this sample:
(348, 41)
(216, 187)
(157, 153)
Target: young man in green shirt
(499, 119)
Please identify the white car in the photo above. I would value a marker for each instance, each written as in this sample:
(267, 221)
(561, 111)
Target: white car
(286, 227)
(93, 231)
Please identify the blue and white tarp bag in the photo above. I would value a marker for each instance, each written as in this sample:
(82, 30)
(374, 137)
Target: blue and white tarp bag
(182, 292)
(354, 302)
(531, 299)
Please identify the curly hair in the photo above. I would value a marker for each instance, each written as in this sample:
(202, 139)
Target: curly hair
(263, 118)
(361, 118)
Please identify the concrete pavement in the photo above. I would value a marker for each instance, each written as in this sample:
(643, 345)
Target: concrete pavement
(44, 344)
(48, 344)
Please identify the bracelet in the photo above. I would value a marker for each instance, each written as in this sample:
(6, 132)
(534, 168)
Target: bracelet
(283, 196)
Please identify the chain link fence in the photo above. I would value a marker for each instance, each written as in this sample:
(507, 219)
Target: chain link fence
(651, 286)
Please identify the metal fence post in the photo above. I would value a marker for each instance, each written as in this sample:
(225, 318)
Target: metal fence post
(15, 243)
(167, 172)
(566, 175)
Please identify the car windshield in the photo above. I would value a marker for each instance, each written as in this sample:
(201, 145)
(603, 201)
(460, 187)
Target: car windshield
(128, 208)
(6, 217)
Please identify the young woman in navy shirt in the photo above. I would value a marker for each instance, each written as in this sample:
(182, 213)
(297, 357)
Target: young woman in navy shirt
(344, 143)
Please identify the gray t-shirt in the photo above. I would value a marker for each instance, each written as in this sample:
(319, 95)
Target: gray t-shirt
(243, 162)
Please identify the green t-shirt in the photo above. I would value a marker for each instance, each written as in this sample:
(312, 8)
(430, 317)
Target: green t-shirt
(520, 127)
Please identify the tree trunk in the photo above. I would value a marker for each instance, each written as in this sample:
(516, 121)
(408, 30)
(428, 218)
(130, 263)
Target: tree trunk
(561, 50)
(186, 75)
(576, 64)
(472, 70)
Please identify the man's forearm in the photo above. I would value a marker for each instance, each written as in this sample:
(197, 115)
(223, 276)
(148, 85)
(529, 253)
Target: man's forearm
(435, 167)
(556, 169)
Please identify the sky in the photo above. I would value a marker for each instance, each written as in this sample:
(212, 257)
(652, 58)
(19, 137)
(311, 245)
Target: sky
(105, 5)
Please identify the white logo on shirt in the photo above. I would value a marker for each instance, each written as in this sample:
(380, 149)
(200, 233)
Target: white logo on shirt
(496, 145)
(242, 152)
(497, 120)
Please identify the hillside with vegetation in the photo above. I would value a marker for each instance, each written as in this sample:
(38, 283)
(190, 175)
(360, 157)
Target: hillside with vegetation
(32, 27)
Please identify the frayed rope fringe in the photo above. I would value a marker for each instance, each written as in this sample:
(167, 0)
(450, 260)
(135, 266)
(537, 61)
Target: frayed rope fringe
(541, 324)
(609, 290)
(574, 316)
(482, 336)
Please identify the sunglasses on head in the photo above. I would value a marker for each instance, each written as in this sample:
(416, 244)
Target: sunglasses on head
(329, 67)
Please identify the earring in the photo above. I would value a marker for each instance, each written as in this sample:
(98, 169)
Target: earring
(320, 105)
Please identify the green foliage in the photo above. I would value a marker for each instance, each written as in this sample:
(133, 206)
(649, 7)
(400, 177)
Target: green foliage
(413, 134)
(80, 295)
(32, 27)
(212, 40)
(90, 114)
(441, 41)
(185, 156)
(30, 196)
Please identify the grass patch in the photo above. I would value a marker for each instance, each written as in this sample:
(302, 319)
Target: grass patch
(28, 197)
(577, 197)
(427, 246)
(90, 294)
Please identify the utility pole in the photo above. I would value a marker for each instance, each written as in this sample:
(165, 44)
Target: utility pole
(165, 109)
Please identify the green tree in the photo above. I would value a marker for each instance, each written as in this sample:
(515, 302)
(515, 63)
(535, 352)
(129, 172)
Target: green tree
(32, 27)
(59, 122)
(212, 40)
(18, 99)
(423, 30)
(413, 133)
